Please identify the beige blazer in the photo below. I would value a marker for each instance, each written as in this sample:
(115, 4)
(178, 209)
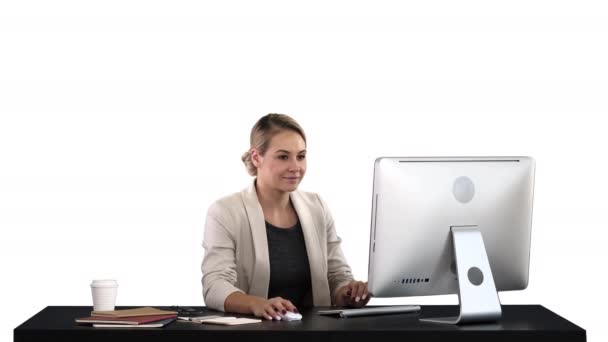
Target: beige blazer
(236, 248)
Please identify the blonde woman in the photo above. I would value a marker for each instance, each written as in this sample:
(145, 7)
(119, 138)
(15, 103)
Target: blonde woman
(270, 249)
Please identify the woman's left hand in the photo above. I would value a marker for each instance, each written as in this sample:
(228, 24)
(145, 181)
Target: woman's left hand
(353, 294)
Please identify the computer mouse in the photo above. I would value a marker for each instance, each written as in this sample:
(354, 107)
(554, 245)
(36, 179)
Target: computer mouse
(291, 316)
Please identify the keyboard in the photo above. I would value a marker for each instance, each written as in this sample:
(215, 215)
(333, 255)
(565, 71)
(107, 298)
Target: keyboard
(370, 311)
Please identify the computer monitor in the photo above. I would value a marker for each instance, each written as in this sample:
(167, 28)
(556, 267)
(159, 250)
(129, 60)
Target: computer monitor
(451, 225)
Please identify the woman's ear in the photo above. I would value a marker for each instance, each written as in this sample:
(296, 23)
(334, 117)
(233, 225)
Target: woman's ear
(255, 157)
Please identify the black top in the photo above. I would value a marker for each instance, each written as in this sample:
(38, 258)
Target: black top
(520, 323)
(289, 267)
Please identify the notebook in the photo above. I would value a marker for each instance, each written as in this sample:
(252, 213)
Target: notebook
(123, 320)
(383, 310)
(145, 311)
(158, 324)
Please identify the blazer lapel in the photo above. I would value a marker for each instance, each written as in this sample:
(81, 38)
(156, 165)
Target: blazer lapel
(261, 273)
(318, 266)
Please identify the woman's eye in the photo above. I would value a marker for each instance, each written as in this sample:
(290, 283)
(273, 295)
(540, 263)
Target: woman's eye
(301, 157)
(283, 157)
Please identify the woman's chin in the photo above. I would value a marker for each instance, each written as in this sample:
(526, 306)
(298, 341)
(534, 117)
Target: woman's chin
(290, 187)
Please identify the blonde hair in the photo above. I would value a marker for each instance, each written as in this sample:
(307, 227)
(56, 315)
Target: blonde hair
(262, 132)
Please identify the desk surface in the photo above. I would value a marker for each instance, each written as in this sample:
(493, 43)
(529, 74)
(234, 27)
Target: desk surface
(519, 323)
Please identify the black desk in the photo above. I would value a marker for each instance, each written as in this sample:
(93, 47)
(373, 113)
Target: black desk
(519, 323)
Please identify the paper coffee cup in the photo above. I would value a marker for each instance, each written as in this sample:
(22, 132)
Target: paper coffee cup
(104, 294)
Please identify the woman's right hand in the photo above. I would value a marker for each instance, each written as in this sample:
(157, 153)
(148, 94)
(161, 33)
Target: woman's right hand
(272, 308)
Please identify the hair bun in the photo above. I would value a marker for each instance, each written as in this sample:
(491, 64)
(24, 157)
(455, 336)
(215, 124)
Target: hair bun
(251, 169)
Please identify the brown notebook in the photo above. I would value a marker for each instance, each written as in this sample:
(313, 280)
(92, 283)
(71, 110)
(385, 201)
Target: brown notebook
(133, 320)
(146, 311)
(157, 324)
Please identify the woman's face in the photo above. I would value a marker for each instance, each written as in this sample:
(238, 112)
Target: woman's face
(283, 165)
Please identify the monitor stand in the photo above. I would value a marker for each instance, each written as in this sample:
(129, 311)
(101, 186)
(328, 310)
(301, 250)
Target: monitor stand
(477, 294)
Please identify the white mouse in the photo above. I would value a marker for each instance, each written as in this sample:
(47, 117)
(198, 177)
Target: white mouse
(291, 316)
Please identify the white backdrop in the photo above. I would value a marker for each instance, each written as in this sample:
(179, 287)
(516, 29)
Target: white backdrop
(121, 121)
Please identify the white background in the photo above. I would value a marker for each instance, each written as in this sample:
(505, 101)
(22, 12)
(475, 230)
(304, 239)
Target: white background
(121, 121)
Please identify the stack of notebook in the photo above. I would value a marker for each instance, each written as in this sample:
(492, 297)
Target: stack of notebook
(132, 318)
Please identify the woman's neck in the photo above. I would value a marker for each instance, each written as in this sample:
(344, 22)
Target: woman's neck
(271, 200)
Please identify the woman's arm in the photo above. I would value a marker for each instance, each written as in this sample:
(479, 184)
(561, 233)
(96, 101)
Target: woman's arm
(219, 263)
(339, 272)
(345, 291)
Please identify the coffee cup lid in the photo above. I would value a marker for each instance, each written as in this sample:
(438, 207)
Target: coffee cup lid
(104, 283)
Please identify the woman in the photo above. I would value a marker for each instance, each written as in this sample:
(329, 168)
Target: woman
(270, 248)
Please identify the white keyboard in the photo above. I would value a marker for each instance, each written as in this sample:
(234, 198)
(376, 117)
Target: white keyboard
(382, 310)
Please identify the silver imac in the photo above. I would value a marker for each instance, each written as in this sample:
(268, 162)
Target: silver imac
(453, 225)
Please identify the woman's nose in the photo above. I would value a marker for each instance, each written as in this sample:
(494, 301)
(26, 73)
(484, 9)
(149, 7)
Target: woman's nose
(295, 165)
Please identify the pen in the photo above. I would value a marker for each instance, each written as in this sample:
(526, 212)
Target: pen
(196, 319)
